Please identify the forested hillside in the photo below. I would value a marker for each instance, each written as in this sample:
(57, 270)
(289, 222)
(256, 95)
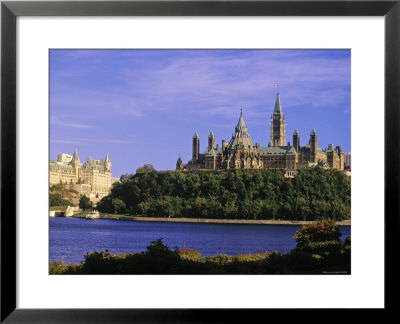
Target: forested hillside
(239, 194)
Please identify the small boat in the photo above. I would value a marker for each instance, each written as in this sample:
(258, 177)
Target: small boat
(93, 214)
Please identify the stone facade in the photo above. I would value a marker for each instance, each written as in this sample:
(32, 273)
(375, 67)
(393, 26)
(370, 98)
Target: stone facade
(241, 153)
(93, 178)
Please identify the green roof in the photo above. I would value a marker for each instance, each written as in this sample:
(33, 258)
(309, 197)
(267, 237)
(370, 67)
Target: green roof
(56, 166)
(75, 157)
(240, 125)
(211, 152)
(195, 135)
(278, 106)
(216, 151)
(90, 164)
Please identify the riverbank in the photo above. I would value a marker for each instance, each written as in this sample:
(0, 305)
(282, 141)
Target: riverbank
(210, 221)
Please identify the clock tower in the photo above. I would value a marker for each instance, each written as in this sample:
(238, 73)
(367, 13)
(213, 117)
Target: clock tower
(278, 132)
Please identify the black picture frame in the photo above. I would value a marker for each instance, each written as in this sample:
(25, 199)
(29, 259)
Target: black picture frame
(10, 10)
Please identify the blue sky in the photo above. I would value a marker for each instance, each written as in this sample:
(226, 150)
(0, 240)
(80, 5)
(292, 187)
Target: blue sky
(143, 106)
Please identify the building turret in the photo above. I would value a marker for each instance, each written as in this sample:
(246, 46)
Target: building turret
(195, 148)
(107, 164)
(313, 146)
(296, 140)
(278, 131)
(241, 138)
(75, 162)
(179, 164)
(211, 141)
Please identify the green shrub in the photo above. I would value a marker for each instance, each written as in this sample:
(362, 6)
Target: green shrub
(57, 200)
(190, 254)
(325, 247)
(320, 231)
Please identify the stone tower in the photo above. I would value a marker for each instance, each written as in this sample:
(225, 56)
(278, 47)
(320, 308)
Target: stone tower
(76, 164)
(195, 148)
(313, 146)
(211, 141)
(296, 140)
(278, 132)
(107, 164)
(179, 164)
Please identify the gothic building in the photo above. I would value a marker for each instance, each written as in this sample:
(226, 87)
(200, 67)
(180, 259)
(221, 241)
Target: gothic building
(93, 178)
(241, 153)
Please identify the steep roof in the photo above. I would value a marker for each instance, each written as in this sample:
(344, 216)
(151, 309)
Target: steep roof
(211, 152)
(241, 124)
(75, 156)
(241, 136)
(278, 107)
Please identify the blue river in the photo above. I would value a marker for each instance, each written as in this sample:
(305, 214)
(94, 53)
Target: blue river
(72, 238)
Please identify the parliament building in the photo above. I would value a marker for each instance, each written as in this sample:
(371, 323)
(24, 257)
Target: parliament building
(241, 153)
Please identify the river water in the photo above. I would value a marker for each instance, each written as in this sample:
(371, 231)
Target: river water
(71, 238)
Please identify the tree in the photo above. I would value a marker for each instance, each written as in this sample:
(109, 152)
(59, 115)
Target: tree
(320, 231)
(145, 168)
(57, 200)
(84, 203)
(119, 205)
(125, 177)
(105, 205)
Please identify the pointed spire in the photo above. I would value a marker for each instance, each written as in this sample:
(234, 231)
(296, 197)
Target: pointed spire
(278, 106)
(295, 132)
(75, 156)
(241, 125)
(196, 135)
(270, 143)
(107, 159)
(313, 132)
(211, 134)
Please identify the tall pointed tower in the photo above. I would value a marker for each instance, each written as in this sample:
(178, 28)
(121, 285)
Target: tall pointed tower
(195, 147)
(107, 164)
(278, 131)
(211, 141)
(313, 146)
(76, 164)
(296, 140)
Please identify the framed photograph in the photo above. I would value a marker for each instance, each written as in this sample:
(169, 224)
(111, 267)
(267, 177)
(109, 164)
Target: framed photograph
(294, 110)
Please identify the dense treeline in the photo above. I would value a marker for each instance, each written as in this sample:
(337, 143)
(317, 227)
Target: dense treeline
(319, 250)
(57, 200)
(236, 194)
